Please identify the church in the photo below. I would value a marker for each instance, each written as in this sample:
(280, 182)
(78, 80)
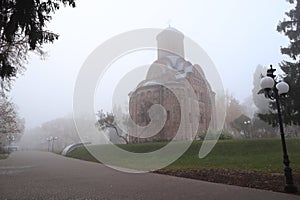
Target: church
(168, 73)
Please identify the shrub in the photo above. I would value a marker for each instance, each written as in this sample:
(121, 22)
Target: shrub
(225, 135)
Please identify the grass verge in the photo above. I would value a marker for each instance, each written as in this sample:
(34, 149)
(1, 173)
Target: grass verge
(3, 156)
(258, 155)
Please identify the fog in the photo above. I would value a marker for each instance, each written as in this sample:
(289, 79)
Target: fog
(237, 35)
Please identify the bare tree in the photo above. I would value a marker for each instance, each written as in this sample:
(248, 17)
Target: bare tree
(234, 109)
(11, 126)
(107, 120)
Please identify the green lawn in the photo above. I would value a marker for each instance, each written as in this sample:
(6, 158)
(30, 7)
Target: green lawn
(262, 155)
(3, 156)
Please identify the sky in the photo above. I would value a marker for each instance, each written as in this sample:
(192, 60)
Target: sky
(237, 35)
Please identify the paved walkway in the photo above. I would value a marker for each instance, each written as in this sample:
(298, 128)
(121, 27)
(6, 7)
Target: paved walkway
(42, 175)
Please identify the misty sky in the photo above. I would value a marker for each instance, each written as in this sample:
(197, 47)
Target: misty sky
(237, 35)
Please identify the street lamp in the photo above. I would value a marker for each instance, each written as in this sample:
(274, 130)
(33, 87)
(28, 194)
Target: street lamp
(49, 139)
(248, 128)
(10, 139)
(273, 90)
(53, 138)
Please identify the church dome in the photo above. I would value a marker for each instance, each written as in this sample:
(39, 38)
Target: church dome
(170, 30)
(170, 42)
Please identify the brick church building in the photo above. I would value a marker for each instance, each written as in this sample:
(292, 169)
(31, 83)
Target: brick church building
(173, 71)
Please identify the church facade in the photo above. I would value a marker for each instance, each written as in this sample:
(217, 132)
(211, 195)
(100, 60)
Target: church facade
(171, 72)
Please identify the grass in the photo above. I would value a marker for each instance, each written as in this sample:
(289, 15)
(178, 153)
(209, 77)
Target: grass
(57, 152)
(3, 156)
(260, 155)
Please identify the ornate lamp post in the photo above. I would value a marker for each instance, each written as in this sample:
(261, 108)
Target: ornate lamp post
(53, 139)
(273, 90)
(248, 128)
(49, 139)
(10, 139)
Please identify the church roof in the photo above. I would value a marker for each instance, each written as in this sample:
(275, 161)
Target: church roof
(150, 83)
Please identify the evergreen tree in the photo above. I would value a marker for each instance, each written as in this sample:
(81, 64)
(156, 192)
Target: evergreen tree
(290, 106)
(290, 27)
(23, 28)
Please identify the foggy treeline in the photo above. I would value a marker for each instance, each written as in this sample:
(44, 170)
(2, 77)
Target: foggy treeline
(62, 128)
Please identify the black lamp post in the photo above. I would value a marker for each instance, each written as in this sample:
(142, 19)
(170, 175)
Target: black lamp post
(248, 128)
(273, 90)
(51, 139)
(10, 139)
(48, 141)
